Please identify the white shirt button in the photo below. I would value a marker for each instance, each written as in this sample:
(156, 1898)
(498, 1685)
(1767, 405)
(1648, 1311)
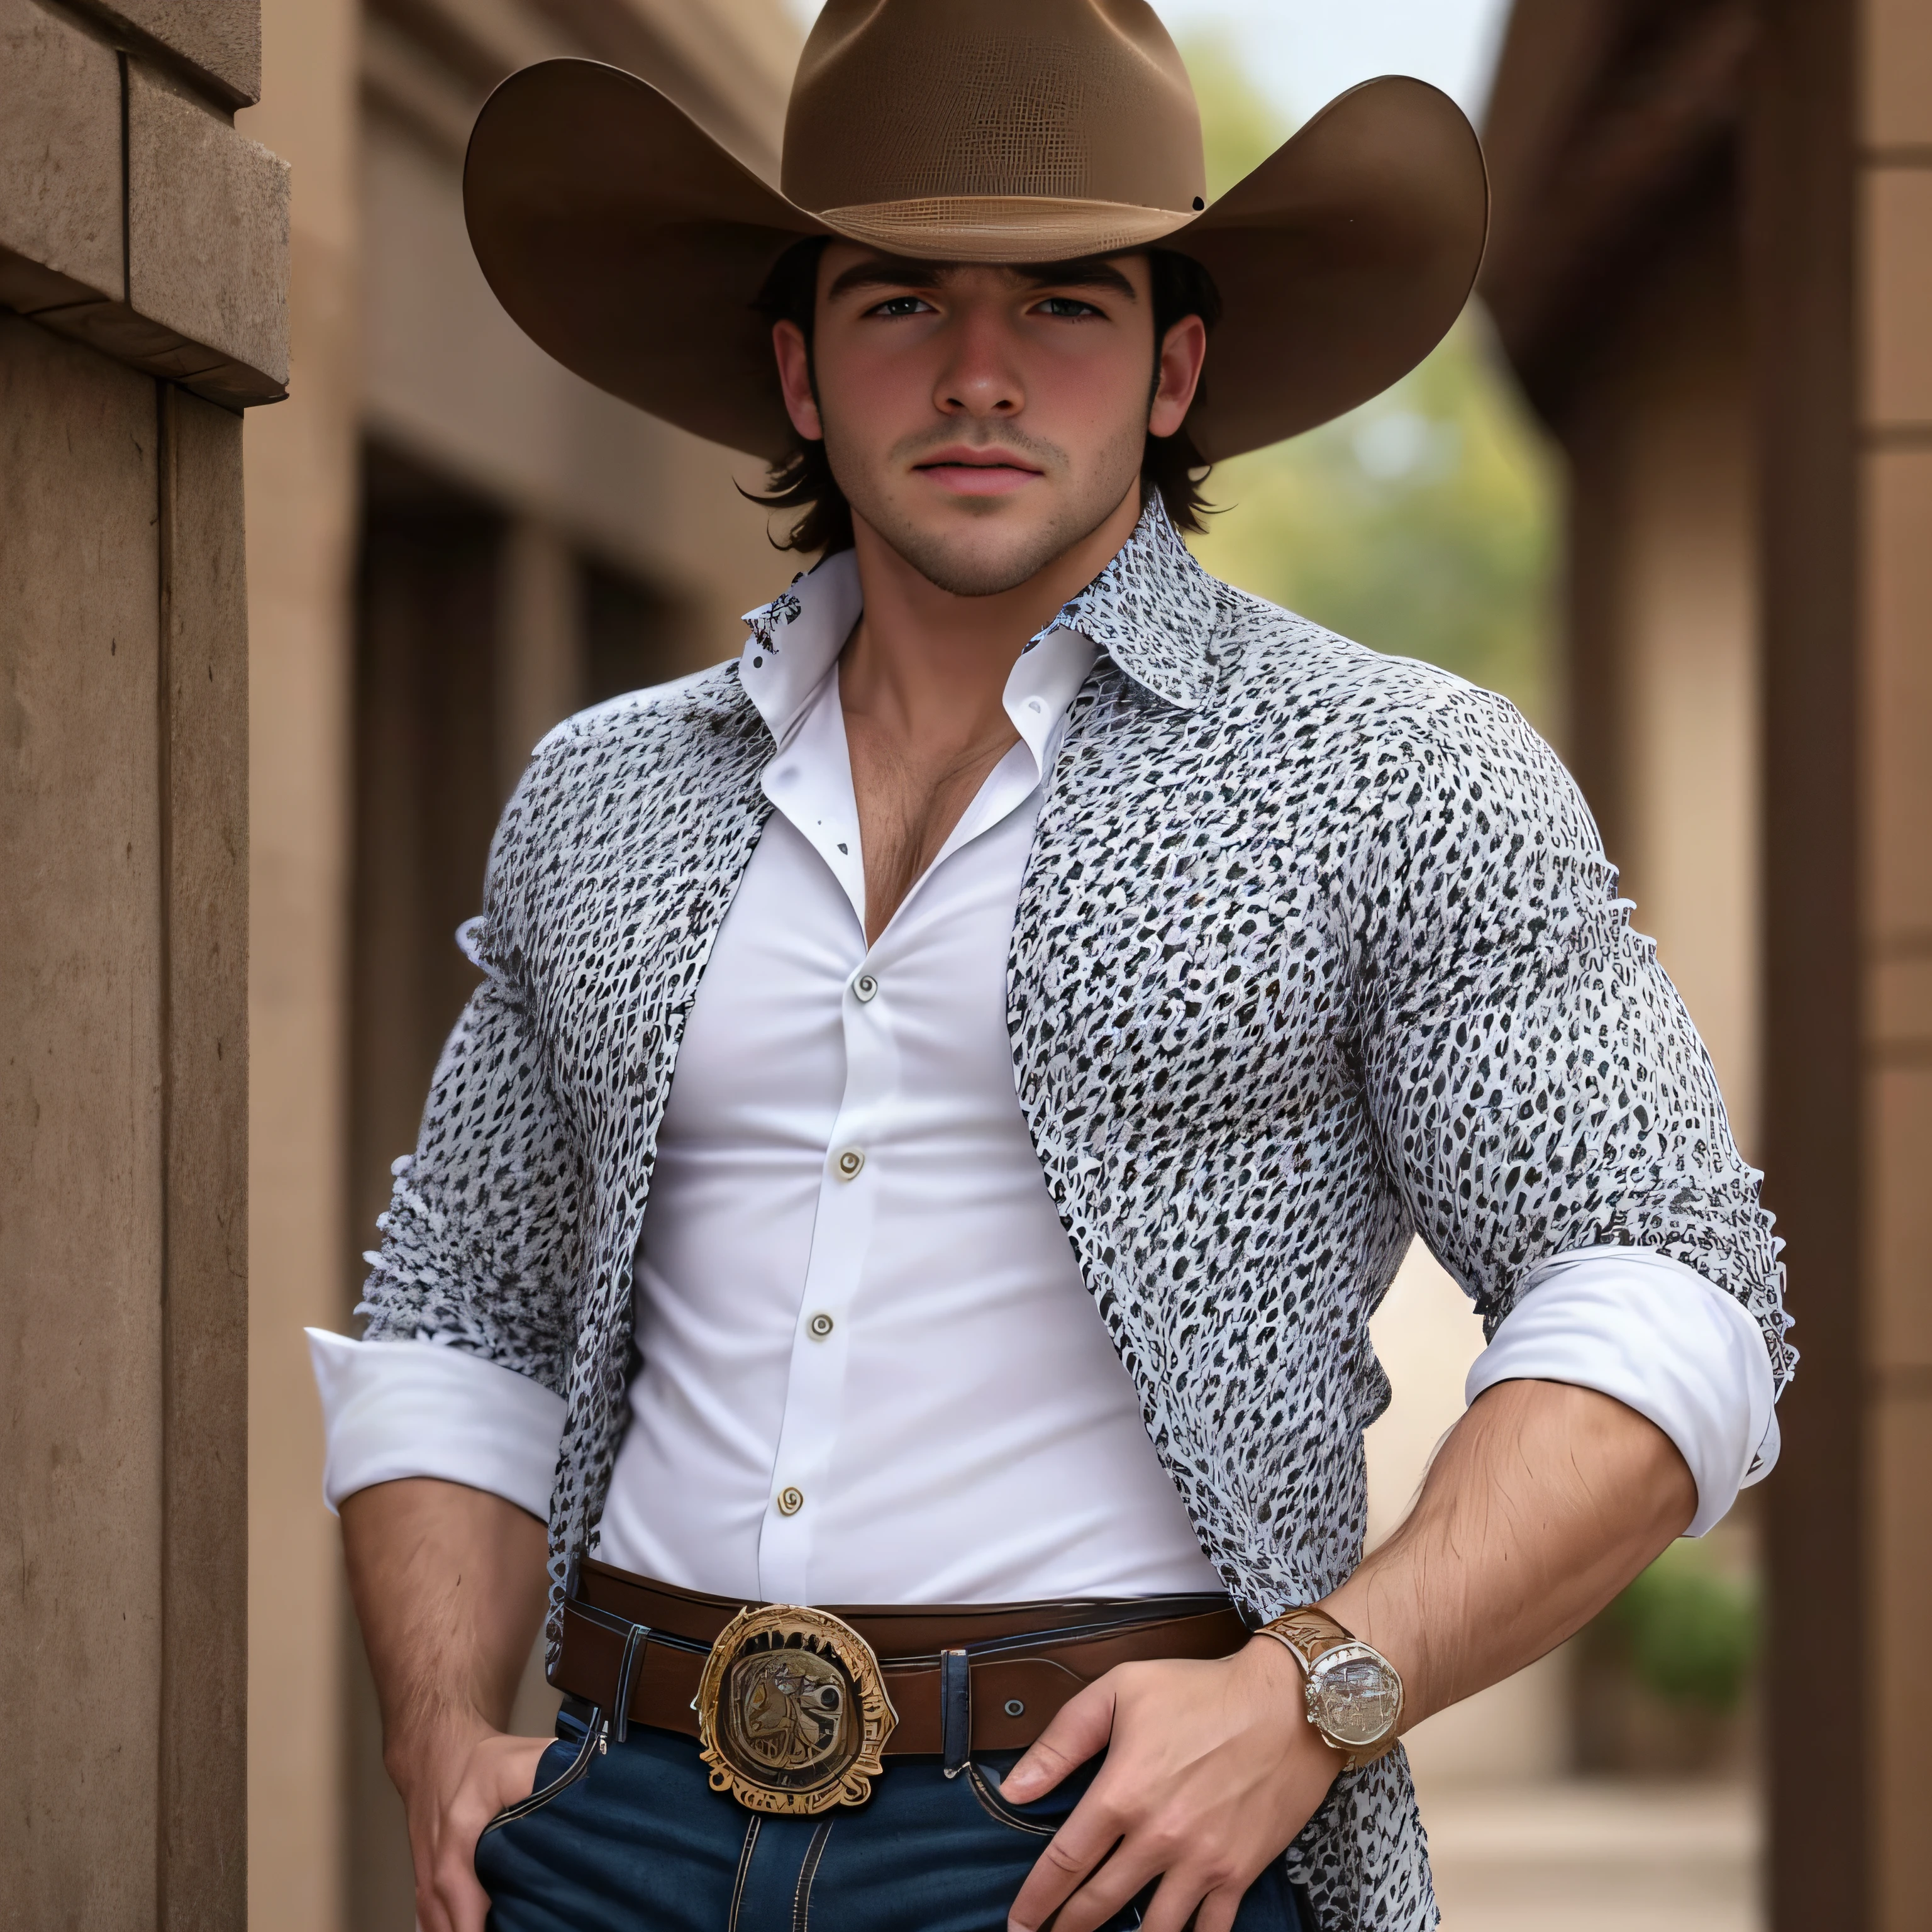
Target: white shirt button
(864, 987)
(790, 1501)
(819, 1326)
(849, 1163)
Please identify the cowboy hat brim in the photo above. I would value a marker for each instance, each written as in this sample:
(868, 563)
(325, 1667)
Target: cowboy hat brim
(631, 245)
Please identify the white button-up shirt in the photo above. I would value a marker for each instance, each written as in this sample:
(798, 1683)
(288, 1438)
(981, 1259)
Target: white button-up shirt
(871, 1372)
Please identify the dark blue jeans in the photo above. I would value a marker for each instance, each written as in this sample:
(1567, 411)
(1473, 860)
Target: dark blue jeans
(641, 1842)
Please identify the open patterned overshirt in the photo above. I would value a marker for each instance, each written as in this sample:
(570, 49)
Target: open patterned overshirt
(1316, 949)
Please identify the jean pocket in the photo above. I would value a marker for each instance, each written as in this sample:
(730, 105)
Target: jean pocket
(1040, 1819)
(573, 1768)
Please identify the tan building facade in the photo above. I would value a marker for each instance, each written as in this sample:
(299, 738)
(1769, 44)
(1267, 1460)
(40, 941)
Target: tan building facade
(143, 260)
(452, 543)
(1713, 271)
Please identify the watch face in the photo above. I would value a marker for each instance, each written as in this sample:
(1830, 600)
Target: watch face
(1354, 1700)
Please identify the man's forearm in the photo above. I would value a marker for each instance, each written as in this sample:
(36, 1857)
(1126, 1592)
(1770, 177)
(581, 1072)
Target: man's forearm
(449, 1587)
(1543, 1503)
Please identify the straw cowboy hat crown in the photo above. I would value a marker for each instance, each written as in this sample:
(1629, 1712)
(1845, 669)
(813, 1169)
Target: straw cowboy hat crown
(631, 245)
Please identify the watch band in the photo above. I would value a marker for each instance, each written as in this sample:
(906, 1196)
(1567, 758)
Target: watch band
(1308, 1635)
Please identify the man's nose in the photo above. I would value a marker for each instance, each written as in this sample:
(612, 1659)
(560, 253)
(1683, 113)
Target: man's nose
(981, 376)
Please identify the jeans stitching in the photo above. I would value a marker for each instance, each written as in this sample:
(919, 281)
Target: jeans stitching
(576, 1769)
(744, 1869)
(997, 1807)
(801, 1897)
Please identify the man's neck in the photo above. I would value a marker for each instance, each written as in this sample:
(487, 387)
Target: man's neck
(921, 683)
(930, 665)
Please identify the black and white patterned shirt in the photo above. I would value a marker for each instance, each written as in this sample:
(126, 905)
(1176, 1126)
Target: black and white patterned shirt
(1316, 950)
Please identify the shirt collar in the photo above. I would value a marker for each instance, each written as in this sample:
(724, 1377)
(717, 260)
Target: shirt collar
(1152, 610)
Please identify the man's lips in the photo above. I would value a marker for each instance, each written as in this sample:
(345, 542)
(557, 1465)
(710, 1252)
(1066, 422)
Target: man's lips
(977, 473)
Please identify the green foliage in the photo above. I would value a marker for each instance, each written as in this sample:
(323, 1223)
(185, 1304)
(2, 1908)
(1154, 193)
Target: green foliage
(1691, 1630)
(1423, 523)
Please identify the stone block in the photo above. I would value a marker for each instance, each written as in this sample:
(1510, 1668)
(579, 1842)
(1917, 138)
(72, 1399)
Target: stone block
(1898, 697)
(207, 229)
(60, 151)
(220, 40)
(1898, 1004)
(1899, 1233)
(1897, 60)
(1897, 295)
(1900, 1668)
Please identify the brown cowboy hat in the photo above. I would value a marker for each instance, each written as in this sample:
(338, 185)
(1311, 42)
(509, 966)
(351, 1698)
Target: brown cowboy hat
(631, 245)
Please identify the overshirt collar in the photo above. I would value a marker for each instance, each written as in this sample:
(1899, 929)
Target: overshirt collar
(1152, 610)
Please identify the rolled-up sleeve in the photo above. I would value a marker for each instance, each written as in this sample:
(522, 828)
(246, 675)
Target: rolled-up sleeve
(396, 1409)
(1662, 1340)
(471, 1302)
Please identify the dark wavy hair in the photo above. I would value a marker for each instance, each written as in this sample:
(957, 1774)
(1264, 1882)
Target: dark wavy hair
(802, 479)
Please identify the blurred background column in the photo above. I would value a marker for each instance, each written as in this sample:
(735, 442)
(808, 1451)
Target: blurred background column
(453, 544)
(1895, 296)
(1841, 163)
(304, 469)
(143, 268)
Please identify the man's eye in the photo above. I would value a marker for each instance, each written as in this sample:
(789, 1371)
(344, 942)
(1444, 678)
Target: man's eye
(903, 305)
(1066, 305)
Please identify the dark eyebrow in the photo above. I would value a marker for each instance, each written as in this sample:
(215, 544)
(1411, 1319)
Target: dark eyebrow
(1091, 272)
(904, 272)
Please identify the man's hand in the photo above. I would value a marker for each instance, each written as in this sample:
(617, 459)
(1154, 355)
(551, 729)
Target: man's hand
(452, 1785)
(1212, 1769)
(1543, 1502)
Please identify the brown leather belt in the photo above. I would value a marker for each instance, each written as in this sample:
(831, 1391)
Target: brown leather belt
(963, 1678)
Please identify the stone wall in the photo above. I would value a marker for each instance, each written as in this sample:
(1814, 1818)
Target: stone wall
(142, 246)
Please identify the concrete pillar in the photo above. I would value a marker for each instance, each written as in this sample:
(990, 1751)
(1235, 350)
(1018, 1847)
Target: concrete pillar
(302, 469)
(1894, 578)
(1842, 178)
(142, 264)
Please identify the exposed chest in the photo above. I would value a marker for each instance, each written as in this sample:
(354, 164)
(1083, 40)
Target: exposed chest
(1169, 952)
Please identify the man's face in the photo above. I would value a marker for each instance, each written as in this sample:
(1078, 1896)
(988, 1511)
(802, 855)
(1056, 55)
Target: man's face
(984, 420)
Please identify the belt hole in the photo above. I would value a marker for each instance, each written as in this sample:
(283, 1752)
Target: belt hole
(1014, 1708)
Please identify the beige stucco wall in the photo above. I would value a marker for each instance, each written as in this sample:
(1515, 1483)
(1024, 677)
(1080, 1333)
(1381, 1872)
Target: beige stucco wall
(1692, 704)
(1664, 527)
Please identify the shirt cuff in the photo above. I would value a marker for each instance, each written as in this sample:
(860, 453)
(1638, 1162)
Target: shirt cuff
(392, 1409)
(1661, 1339)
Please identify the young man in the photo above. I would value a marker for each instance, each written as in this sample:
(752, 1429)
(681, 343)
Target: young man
(949, 1088)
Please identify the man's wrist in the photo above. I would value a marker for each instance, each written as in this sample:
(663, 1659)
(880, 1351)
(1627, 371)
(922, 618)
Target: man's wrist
(434, 1747)
(1352, 1695)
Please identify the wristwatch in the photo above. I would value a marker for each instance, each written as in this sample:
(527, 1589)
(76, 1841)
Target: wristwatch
(1354, 1693)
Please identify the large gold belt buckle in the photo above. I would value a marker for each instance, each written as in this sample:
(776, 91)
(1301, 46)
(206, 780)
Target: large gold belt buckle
(792, 1711)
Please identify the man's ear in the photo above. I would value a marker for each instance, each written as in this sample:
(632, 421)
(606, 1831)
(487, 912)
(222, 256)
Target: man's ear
(1177, 377)
(794, 361)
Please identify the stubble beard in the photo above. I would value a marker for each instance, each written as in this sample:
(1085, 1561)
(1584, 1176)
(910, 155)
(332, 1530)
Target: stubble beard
(988, 545)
